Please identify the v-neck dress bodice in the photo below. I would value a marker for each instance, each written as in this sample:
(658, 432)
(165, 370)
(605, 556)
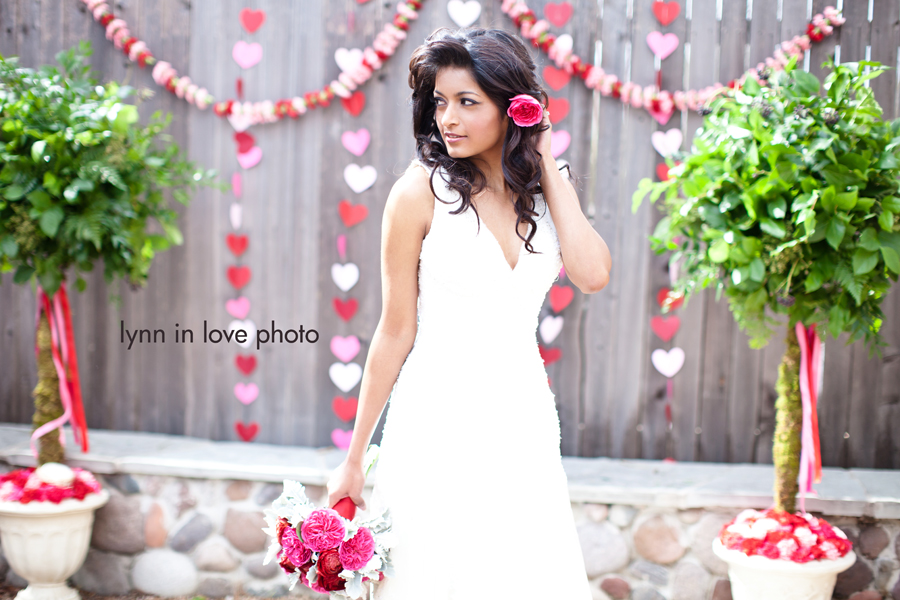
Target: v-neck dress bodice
(470, 464)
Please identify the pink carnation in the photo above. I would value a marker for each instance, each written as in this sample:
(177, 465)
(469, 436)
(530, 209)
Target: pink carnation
(356, 552)
(322, 530)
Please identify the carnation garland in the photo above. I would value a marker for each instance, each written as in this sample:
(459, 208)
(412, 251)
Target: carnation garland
(353, 73)
(658, 102)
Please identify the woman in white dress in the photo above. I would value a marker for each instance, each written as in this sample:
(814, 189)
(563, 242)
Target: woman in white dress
(473, 236)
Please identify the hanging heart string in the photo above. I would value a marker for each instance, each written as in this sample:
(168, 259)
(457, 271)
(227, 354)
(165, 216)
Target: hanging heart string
(62, 348)
(812, 362)
(659, 103)
(352, 75)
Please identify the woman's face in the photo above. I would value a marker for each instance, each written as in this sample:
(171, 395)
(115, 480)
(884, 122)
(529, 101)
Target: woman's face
(462, 108)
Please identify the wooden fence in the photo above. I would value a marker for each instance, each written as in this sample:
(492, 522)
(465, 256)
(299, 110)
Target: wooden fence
(611, 400)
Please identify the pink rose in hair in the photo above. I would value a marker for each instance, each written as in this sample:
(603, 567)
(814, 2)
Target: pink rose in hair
(525, 111)
(356, 552)
(322, 530)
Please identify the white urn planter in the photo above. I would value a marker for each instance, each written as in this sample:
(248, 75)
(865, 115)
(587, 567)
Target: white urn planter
(761, 578)
(47, 543)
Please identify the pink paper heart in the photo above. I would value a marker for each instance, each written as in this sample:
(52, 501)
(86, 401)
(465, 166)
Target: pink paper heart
(251, 158)
(345, 348)
(341, 438)
(238, 307)
(662, 45)
(356, 142)
(668, 363)
(559, 142)
(246, 392)
(342, 246)
(662, 116)
(236, 184)
(246, 55)
(668, 142)
(562, 271)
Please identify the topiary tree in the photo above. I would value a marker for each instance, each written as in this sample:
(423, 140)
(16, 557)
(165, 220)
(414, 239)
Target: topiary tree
(788, 202)
(81, 180)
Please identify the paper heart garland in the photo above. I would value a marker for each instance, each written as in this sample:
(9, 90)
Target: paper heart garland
(246, 432)
(560, 297)
(559, 142)
(342, 245)
(245, 364)
(356, 142)
(246, 393)
(246, 55)
(665, 327)
(559, 109)
(668, 363)
(251, 158)
(344, 276)
(238, 276)
(557, 79)
(345, 348)
(341, 438)
(668, 142)
(237, 185)
(464, 13)
(348, 60)
(558, 14)
(355, 103)
(550, 327)
(549, 355)
(345, 377)
(662, 45)
(666, 12)
(663, 293)
(238, 308)
(345, 408)
(661, 114)
(345, 309)
(236, 243)
(234, 215)
(252, 19)
(248, 326)
(360, 178)
(352, 214)
(244, 140)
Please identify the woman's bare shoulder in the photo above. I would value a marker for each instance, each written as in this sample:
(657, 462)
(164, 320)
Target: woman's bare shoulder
(411, 199)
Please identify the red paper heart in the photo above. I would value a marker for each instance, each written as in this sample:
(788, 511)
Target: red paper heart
(345, 310)
(662, 171)
(252, 19)
(556, 78)
(560, 297)
(661, 298)
(248, 431)
(239, 276)
(559, 109)
(355, 103)
(236, 243)
(352, 214)
(558, 14)
(244, 140)
(550, 355)
(666, 12)
(246, 364)
(665, 327)
(345, 408)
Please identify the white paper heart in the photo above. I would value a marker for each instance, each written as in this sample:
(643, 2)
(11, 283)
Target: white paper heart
(234, 214)
(348, 60)
(344, 276)
(668, 142)
(360, 178)
(564, 42)
(668, 363)
(248, 326)
(240, 122)
(345, 377)
(550, 328)
(464, 13)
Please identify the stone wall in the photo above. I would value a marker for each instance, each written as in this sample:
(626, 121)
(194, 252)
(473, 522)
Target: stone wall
(169, 535)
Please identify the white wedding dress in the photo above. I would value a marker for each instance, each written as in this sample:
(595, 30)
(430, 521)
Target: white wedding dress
(470, 455)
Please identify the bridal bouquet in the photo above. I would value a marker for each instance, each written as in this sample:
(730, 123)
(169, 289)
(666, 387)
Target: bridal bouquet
(782, 535)
(325, 550)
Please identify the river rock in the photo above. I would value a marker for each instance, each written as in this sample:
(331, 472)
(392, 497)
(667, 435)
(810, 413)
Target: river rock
(164, 573)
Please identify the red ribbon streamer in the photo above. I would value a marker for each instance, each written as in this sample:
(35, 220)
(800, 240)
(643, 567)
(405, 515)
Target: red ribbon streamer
(812, 360)
(62, 347)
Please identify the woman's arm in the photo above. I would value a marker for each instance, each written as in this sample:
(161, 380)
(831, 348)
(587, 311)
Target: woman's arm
(408, 211)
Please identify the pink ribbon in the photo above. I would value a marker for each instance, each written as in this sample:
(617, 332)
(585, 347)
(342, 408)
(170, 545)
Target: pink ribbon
(812, 362)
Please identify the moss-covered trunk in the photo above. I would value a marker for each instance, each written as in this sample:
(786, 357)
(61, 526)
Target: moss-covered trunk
(47, 404)
(788, 425)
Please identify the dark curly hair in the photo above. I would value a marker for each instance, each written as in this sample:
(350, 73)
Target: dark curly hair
(501, 65)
